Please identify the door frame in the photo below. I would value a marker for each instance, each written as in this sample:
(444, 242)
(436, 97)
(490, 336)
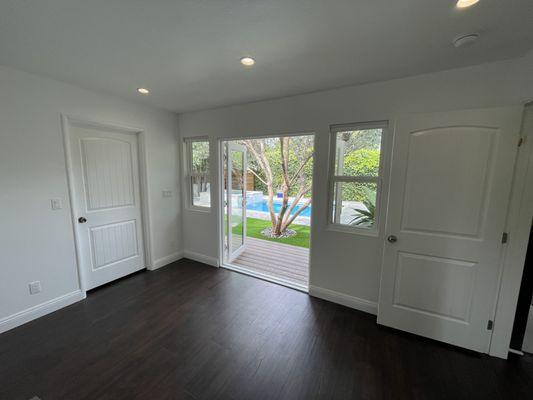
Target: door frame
(519, 218)
(220, 206)
(69, 121)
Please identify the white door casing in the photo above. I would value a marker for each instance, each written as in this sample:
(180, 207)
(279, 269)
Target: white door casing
(527, 344)
(450, 182)
(106, 183)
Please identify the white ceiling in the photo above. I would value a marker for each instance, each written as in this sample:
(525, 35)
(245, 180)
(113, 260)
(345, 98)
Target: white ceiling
(187, 51)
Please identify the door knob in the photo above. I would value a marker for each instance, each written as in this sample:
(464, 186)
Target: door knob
(82, 220)
(392, 239)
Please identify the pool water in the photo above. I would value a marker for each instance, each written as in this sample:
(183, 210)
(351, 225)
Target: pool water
(263, 206)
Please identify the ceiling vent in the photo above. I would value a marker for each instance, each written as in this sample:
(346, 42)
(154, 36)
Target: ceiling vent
(464, 40)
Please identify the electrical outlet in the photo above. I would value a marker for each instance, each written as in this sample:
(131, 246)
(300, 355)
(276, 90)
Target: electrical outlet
(167, 193)
(56, 204)
(35, 287)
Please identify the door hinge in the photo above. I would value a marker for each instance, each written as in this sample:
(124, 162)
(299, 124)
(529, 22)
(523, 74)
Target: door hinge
(490, 325)
(505, 237)
(520, 142)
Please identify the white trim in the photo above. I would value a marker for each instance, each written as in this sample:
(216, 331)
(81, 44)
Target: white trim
(66, 122)
(40, 310)
(267, 135)
(353, 230)
(187, 174)
(200, 258)
(219, 159)
(527, 344)
(220, 149)
(357, 303)
(265, 277)
(518, 226)
(358, 126)
(161, 262)
(381, 180)
(145, 200)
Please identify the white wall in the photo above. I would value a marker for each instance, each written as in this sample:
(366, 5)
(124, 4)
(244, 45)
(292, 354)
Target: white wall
(37, 243)
(348, 264)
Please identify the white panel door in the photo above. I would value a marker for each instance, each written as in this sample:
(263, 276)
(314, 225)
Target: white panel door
(450, 183)
(107, 195)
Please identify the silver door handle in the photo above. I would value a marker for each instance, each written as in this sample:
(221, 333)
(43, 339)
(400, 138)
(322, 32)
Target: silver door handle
(392, 239)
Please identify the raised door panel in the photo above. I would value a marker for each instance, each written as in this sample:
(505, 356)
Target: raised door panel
(434, 286)
(447, 180)
(113, 243)
(108, 173)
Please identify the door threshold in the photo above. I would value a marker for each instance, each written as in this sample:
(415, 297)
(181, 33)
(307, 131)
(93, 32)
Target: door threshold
(269, 278)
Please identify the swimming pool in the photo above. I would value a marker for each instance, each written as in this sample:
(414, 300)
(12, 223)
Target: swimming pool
(263, 206)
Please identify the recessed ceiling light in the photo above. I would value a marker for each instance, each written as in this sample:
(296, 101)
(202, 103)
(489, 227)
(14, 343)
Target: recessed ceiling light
(247, 61)
(142, 90)
(466, 3)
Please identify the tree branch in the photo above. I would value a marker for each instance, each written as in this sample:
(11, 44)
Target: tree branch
(257, 176)
(300, 168)
(303, 190)
(298, 212)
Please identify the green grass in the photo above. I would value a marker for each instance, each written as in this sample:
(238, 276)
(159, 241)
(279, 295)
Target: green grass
(254, 226)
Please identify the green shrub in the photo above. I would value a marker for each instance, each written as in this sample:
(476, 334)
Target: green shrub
(360, 163)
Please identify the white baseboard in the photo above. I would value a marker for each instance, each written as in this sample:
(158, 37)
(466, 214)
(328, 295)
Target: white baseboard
(367, 306)
(40, 310)
(161, 262)
(201, 258)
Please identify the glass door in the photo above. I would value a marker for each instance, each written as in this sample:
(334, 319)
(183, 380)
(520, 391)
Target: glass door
(235, 179)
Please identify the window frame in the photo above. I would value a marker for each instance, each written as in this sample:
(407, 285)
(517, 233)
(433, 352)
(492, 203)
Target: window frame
(334, 179)
(188, 142)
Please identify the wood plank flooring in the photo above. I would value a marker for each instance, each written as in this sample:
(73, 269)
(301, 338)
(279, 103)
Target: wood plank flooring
(290, 263)
(190, 331)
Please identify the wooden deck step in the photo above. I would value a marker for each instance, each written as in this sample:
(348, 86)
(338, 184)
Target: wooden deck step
(277, 260)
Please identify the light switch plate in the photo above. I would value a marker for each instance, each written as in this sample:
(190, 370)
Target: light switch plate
(56, 204)
(167, 193)
(35, 287)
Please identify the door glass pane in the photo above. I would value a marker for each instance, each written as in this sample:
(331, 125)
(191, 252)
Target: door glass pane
(354, 204)
(357, 152)
(226, 199)
(237, 193)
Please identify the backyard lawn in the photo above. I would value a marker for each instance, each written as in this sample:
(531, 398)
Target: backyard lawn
(254, 226)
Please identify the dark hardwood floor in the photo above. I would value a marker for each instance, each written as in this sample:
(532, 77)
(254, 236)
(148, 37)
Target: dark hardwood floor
(189, 331)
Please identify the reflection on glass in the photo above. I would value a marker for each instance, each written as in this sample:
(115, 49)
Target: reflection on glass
(237, 191)
(226, 233)
(200, 185)
(357, 152)
(354, 204)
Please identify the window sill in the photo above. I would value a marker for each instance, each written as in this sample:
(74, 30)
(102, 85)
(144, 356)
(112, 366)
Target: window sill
(199, 210)
(352, 230)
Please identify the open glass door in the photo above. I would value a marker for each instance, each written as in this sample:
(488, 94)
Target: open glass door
(235, 221)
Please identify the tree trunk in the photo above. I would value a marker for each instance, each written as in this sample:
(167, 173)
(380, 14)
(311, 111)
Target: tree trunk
(283, 219)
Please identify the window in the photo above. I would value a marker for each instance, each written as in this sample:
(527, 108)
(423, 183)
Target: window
(355, 180)
(198, 173)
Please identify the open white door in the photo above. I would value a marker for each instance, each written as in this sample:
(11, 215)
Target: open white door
(450, 182)
(236, 167)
